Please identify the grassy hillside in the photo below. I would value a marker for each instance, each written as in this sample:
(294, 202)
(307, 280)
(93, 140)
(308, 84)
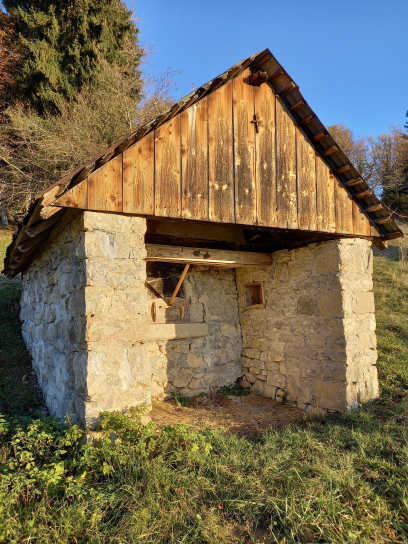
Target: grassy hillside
(341, 479)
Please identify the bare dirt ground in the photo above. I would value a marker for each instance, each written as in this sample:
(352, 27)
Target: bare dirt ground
(249, 414)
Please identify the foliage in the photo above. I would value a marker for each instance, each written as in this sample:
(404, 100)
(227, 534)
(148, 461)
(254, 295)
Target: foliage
(63, 43)
(9, 61)
(382, 161)
(342, 479)
(38, 149)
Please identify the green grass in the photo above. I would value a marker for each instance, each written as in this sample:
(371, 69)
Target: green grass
(341, 479)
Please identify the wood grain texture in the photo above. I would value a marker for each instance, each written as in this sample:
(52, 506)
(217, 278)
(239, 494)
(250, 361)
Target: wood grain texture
(244, 149)
(194, 161)
(196, 255)
(306, 183)
(105, 187)
(77, 197)
(325, 213)
(361, 224)
(344, 209)
(167, 168)
(138, 177)
(221, 176)
(265, 168)
(286, 191)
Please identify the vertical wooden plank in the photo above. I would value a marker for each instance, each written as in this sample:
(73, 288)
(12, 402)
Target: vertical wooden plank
(105, 187)
(244, 149)
(265, 164)
(306, 176)
(194, 163)
(138, 177)
(77, 197)
(361, 224)
(344, 209)
(168, 175)
(325, 215)
(220, 155)
(286, 192)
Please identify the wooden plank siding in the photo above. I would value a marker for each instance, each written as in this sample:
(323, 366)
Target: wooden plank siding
(325, 214)
(194, 161)
(265, 156)
(220, 150)
(105, 187)
(167, 156)
(138, 177)
(306, 183)
(244, 150)
(286, 171)
(235, 156)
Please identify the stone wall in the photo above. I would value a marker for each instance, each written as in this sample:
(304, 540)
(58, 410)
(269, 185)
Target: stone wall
(53, 321)
(85, 309)
(313, 341)
(192, 365)
(85, 313)
(118, 373)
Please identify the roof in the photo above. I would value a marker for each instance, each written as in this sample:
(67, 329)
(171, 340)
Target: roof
(41, 216)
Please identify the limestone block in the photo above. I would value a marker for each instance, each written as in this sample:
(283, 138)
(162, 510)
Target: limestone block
(195, 361)
(182, 379)
(307, 305)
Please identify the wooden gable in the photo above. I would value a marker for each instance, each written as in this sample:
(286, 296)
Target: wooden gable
(235, 156)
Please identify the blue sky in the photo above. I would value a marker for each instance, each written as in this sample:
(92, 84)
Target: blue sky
(349, 58)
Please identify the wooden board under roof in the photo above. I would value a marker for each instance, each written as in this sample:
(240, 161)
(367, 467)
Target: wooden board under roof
(236, 156)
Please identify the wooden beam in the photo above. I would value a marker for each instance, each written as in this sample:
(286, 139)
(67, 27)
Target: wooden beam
(319, 136)
(203, 256)
(343, 169)
(382, 220)
(307, 120)
(330, 151)
(392, 235)
(297, 105)
(257, 78)
(40, 227)
(363, 194)
(352, 182)
(179, 284)
(288, 90)
(375, 208)
(277, 74)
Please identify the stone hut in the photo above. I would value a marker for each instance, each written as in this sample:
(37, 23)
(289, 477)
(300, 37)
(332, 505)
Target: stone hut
(228, 238)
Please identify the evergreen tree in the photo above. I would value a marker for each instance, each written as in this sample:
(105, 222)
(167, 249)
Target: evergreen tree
(64, 41)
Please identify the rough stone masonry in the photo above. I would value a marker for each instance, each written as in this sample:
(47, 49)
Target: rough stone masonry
(85, 310)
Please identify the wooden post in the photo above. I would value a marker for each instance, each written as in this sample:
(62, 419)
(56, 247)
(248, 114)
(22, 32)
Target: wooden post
(177, 289)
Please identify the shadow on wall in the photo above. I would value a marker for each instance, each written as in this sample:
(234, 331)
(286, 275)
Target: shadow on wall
(205, 349)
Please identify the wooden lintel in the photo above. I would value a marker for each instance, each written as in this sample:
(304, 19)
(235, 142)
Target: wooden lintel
(208, 257)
